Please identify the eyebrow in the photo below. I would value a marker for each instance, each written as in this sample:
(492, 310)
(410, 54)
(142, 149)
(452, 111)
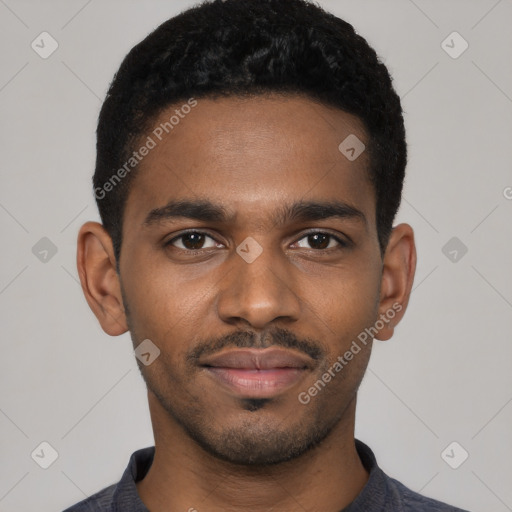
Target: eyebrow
(204, 210)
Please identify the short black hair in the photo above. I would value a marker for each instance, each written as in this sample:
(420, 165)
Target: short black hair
(225, 48)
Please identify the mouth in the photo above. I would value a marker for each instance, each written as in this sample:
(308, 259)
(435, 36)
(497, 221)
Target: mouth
(255, 373)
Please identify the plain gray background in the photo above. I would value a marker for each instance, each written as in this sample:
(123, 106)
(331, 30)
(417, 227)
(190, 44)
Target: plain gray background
(445, 376)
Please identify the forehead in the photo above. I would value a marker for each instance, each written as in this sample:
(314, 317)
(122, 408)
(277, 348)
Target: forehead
(252, 155)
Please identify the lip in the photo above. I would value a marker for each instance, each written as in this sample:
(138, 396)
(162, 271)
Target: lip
(258, 359)
(257, 373)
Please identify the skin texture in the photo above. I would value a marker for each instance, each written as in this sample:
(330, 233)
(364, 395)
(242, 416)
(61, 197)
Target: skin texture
(216, 450)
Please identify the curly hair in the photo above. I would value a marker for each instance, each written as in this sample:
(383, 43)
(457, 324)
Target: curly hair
(225, 48)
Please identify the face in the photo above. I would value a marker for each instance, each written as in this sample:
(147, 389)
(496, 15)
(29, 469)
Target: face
(250, 258)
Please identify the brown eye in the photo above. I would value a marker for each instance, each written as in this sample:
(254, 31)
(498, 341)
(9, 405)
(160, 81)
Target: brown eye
(320, 240)
(191, 241)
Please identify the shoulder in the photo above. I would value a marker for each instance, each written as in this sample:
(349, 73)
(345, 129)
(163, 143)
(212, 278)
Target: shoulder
(98, 502)
(123, 494)
(385, 493)
(412, 501)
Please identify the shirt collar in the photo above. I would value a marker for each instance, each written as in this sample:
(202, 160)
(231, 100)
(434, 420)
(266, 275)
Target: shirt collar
(126, 497)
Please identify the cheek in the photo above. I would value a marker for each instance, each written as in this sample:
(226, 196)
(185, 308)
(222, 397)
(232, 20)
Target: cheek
(163, 303)
(345, 299)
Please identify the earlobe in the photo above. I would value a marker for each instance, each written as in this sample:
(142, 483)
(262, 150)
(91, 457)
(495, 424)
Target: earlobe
(399, 266)
(98, 277)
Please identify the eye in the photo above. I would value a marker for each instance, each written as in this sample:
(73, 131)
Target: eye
(192, 241)
(319, 240)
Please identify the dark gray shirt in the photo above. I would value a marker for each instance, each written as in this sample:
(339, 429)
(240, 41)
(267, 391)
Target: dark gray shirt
(380, 494)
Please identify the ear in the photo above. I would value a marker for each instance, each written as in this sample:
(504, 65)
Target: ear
(399, 266)
(100, 282)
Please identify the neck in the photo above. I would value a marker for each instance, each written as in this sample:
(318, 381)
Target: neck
(183, 477)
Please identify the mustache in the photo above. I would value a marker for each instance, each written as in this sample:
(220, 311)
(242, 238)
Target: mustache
(278, 337)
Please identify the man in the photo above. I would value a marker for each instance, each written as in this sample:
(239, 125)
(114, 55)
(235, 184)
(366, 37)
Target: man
(250, 161)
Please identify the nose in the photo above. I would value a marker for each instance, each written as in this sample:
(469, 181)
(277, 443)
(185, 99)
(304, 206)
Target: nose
(258, 292)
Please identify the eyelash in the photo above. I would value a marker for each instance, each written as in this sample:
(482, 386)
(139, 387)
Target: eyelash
(342, 243)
